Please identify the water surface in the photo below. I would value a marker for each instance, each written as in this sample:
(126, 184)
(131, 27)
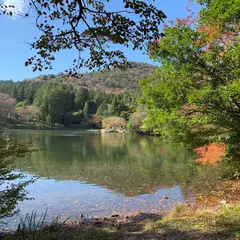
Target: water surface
(100, 174)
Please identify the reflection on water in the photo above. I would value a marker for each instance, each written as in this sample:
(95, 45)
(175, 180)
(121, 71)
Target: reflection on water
(99, 174)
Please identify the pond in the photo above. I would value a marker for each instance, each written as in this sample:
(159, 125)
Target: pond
(94, 174)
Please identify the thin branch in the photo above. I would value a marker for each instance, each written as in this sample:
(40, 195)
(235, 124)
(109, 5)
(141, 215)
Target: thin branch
(94, 34)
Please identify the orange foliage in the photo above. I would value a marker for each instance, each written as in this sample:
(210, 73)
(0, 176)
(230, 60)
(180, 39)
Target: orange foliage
(212, 32)
(211, 153)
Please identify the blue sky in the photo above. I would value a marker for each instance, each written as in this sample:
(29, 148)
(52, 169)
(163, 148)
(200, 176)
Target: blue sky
(17, 32)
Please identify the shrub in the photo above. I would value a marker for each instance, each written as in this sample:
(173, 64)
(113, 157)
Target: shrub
(95, 121)
(179, 208)
(136, 121)
(29, 114)
(113, 123)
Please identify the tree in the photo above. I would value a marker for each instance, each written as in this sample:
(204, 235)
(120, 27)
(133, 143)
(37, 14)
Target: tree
(98, 98)
(113, 107)
(103, 109)
(95, 121)
(194, 96)
(92, 107)
(89, 26)
(55, 101)
(136, 120)
(82, 96)
(21, 91)
(11, 192)
(86, 111)
(7, 106)
(29, 114)
(100, 110)
(14, 92)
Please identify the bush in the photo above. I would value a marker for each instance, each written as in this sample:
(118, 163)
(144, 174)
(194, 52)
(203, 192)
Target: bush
(29, 114)
(136, 121)
(95, 121)
(113, 123)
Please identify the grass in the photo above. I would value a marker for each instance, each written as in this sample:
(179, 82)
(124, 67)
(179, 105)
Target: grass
(182, 223)
(179, 208)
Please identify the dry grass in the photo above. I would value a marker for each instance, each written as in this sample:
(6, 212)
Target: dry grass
(189, 223)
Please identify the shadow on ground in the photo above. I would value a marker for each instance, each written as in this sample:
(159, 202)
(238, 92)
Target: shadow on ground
(140, 226)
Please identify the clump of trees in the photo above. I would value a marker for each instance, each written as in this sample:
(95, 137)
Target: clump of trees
(136, 120)
(29, 114)
(7, 107)
(22, 91)
(55, 103)
(194, 97)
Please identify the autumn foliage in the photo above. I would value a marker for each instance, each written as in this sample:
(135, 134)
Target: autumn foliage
(113, 123)
(211, 153)
(95, 121)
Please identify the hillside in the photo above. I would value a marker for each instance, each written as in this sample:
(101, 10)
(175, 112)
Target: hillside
(113, 80)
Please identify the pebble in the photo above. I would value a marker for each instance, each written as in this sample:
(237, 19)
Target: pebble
(223, 202)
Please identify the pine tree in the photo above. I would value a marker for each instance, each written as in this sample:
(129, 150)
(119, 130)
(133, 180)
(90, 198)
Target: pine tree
(113, 106)
(86, 111)
(82, 96)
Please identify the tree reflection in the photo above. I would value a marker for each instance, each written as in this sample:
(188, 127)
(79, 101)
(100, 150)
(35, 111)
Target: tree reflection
(127, 164)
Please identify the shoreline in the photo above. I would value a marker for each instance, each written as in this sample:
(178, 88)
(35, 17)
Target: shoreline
(184, 222)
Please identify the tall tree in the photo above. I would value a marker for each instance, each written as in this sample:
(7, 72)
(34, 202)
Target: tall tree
(86, 111)
(113, 107)
(55, 102)
(195, 94)
(7, 107)
(82, 96)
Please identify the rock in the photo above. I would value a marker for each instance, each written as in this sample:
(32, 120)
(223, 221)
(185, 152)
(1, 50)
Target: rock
(81, 216)
(116, 215)
(165, 197)
(107, 131)
(223, 202)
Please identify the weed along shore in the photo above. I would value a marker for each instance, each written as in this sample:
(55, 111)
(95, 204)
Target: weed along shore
(214, 216)
(184, 222)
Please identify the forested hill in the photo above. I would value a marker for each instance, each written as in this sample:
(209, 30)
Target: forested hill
(113, 80)
(58, 100)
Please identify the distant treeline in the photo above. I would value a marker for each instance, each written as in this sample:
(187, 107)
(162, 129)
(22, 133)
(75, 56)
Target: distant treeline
(59, 103)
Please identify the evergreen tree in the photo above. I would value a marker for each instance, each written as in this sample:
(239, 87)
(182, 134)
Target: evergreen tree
(82, 96)
(14, 92)
(92, 107)
(86, 111)
(113, 107)
(55, 102)
(100, 110)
